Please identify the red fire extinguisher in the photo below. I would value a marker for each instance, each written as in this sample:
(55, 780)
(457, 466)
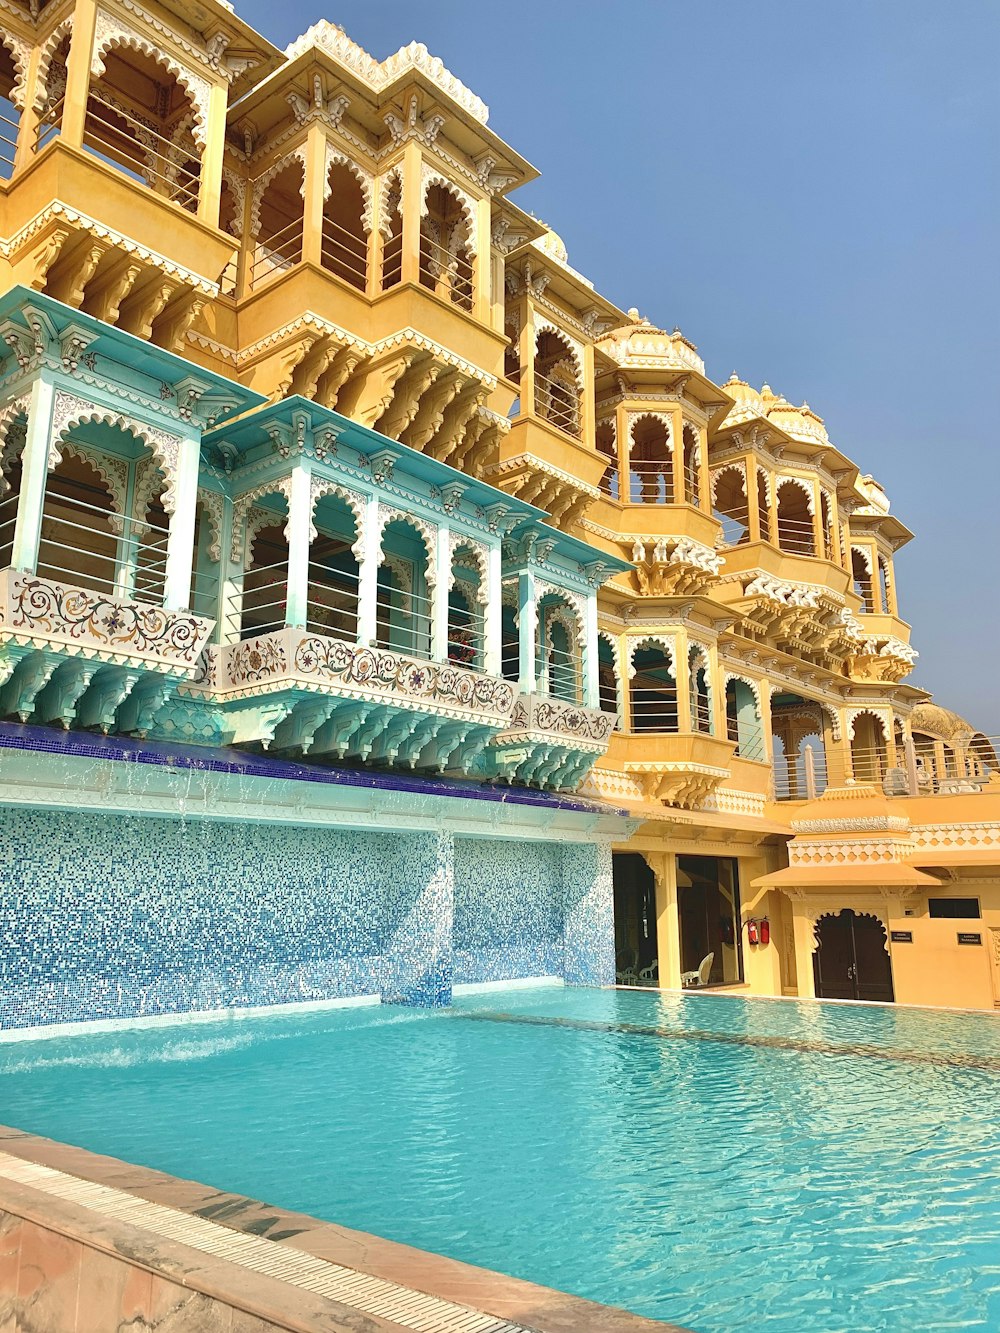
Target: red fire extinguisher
(752, 934)
(765, 930)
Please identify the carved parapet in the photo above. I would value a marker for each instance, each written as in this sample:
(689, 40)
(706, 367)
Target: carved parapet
(682, 770)
(549, 743)
(77, 622)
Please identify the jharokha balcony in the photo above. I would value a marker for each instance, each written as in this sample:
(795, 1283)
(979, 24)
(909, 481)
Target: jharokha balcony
(288, 580)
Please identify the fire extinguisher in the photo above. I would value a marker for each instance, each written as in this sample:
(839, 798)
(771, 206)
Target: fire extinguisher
(753, 936)
(765, 930)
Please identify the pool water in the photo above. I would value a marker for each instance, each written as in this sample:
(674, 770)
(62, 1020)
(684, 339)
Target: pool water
(727, 1164)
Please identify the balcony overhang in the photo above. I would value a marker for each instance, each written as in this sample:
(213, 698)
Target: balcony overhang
(675, 768)
(549, 742)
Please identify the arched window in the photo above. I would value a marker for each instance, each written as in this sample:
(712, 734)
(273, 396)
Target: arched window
(653, 690)
(345, 241)
(829, 526)
(80, 529)
(862, 574)
(869, 748)
(604, 438)
(795, 525)
(265, 582)
(607, 678)
(510, 653)
(141, 120)
(700, 690)
(404, 602)
(279, 229)
(446, 254)
(557, 383)
(560, 668)
(466, 621)
(651, 464)
(885, 585)
(692, 466)
(10, 116)
(743, 720)
(730, 506)
(332, 600)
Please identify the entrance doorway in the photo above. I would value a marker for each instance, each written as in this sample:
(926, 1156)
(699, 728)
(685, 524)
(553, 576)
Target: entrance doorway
(708, 907)
(851, 961)
(635, 921)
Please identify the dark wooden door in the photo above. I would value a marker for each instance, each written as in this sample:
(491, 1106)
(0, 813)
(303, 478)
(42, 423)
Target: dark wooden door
(851, 962)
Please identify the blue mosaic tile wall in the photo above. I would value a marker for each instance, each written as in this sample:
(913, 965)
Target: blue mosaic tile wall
(119, 917)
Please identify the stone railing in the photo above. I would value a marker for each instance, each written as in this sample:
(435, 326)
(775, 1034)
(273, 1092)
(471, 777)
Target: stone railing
(77, 621)
(292, 658)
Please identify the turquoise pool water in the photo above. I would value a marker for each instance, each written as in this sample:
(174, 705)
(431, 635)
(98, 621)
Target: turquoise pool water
(731, 1165)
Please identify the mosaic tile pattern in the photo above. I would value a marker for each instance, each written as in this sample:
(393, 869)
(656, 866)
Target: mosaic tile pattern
(508, 913)
(120, 917)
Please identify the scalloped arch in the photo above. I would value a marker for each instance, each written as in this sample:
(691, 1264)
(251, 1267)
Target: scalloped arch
(571, 599)
(884, 720)
(385, 215)
(17, 407)
(261, 182)
(20, 54)
(866, 556)
(428, 535)
(335, 157)
(112, 471)
(653, 641)
(70, 411)
(802, 485)
(573, 348)
(752, 685)
(241, 510)
(111, 34)
(355, 501)
(431, 177)
(716, 476)
(664, 420)
(481, 555)
(764, 476)
(49, 48)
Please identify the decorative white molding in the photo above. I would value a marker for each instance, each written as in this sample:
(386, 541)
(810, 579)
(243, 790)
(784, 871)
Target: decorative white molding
(663, 641)
(336, 157)
(428, 533)
(431, 176)
(261, 182)
(241, 510)
(212, 504)
(803, 486)
(70, 411)
(716, 476)
(20, 51)
(355, 501)
(481, 553)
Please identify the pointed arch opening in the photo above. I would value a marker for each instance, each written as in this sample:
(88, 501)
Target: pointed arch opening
(885, 586)
(795, 524)
(264, 599)
(869, 748)
(344, 249)
(653, 689)
(799, 729)
(141, 120)
(332, 598)
(560, 656)
(729, 504)
(404, 593)
(609, 683)
(651, 464)
(861, 574)
(692, 465)
(278, 221)
(605, 438)
(557, 382)
(466, 608)
(447, 246)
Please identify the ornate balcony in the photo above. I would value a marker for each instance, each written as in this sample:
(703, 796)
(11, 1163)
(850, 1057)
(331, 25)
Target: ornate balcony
(677, 769)
(549, 742)
(322, 697)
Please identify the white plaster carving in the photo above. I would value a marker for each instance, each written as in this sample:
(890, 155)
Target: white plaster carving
(481, 556)
(212, 503)
(428, 177)
(241, 509)
(355, 501)
(70, 411)
(652, 641)
(335, 157)
(261, 183)
(428, 533)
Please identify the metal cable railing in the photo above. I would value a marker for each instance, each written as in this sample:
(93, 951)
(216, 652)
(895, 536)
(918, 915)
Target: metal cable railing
(796, 536)
(653, 709)
(558, 402)
(125, 142)
(466, 637)
(924, 768)
(391, 263)
(651, 481)
(8, 139)
(49, 125)
(332, 602)
(344, 253)
(277, 253)
(259, 607)
(560, 675)
(403, 620)
(735, 527)
(440, 269)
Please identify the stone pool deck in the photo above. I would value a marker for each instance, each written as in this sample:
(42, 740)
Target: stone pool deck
(89, 1244)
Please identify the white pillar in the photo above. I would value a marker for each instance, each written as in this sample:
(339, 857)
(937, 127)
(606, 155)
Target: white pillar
(180, 537)
(368, 575)
(494, 613)
(439, 596)
(528, 625)
(592, 680)
(34, 471)
(299, 521)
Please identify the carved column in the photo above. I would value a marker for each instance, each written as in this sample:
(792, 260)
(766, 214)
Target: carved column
(438, 593)
(35, 468)
(592, 679)
(81, 48)
(527, 599)
(299, 524)
(493, 609)
(180, 537)
(368, 575)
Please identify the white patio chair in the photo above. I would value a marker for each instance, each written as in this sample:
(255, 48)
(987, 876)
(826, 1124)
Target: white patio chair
(699, 978)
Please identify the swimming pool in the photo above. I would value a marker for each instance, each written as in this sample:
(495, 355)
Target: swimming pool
(726, 1164)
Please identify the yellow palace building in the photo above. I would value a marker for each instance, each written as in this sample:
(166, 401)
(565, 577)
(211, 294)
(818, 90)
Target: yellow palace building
(317, 449)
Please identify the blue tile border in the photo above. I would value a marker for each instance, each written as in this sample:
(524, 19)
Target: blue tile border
(167, 754)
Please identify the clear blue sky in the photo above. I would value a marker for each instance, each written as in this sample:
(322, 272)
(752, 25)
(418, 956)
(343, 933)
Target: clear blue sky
(809, 188)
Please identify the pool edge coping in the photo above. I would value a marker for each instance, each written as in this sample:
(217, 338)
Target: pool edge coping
(537, 1308)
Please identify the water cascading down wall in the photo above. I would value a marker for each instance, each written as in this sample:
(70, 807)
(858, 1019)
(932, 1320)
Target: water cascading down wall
(126, 914)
